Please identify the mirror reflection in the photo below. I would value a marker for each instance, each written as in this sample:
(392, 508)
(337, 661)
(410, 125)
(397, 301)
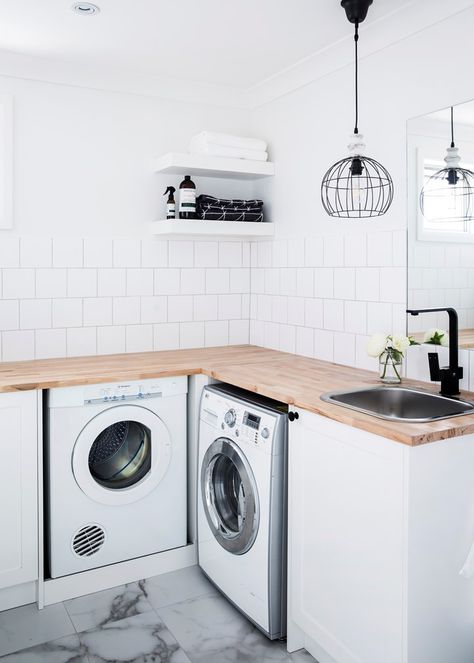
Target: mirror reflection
(440, 222)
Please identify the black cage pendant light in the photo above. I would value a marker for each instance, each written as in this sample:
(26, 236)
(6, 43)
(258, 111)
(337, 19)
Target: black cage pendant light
(356, 187)
(447, 196)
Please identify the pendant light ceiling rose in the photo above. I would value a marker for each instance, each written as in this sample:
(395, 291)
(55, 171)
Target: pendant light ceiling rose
(356, 10)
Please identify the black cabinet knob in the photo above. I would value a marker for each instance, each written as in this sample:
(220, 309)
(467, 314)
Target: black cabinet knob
(293, 415)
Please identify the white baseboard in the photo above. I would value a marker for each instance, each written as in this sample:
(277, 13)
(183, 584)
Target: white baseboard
(95, 580)
(13, 597)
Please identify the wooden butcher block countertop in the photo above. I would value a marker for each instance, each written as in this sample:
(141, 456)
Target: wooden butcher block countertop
(296, 380)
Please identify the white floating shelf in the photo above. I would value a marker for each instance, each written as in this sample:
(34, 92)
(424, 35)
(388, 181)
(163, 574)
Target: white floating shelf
(196, 229)
(200, 164)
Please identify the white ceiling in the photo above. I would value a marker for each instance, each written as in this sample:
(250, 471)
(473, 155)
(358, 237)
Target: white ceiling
(208, 41)
(242, 53)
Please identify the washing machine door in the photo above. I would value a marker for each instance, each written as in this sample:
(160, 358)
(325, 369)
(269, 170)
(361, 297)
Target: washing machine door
(121, 455)
(229, 495)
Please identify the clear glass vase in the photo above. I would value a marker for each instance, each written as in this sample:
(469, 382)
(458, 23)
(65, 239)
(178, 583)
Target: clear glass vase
(390, 367)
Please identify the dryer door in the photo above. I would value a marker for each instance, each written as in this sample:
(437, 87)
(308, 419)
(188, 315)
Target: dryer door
(229, 495)
(121, 455)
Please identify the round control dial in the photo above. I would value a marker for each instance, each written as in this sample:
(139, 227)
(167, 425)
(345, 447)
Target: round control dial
(265, 433)
(230, 418)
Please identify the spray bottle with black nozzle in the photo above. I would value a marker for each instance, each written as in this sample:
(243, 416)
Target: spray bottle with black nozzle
(170, 203)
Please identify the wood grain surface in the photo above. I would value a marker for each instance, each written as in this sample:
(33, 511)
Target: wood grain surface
(298, 381)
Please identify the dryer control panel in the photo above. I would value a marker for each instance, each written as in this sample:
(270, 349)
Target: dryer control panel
(242, 421)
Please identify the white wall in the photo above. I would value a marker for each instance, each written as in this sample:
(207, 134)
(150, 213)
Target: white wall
(357, 267)
(80, 272)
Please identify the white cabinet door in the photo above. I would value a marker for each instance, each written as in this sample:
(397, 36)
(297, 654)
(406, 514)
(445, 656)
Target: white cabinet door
(346, 541)
(18, 488)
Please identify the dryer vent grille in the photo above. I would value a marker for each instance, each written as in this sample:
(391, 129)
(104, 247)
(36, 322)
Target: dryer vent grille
(88, 540)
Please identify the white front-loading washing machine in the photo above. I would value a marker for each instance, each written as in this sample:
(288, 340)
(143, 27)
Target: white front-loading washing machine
(116, 472)
(242, 502)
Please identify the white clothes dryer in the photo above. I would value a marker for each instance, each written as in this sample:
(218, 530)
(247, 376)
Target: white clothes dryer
(242, 502)
(116, 472)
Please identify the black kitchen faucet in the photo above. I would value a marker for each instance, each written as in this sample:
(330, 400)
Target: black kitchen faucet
(448, 375)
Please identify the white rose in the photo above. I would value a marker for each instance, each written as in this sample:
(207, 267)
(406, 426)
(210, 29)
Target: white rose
(400, 343)
(431, 333)
(376, 345)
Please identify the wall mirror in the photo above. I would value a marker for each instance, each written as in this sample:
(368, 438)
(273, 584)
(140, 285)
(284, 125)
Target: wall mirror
(441, 220)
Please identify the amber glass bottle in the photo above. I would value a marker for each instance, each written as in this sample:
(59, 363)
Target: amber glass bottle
(187, 198)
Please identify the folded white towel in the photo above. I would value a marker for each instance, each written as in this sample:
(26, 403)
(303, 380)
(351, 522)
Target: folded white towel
(197, 147)
(231, 141)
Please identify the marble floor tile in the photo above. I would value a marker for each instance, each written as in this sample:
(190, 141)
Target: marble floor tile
(302, 656)
(110, 605)
(27, 626)
(139, 639)
(211, 630)
(64, 650)
(177, 587)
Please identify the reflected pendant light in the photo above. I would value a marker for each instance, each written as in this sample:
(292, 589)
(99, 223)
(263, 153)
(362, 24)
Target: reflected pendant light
(356, 187)
(447, 195)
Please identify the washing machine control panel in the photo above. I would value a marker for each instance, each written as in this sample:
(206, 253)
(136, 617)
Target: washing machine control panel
(239, 420)
(119, 393)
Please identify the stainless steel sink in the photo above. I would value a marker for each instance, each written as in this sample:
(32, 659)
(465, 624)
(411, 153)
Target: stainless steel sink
(400, 404)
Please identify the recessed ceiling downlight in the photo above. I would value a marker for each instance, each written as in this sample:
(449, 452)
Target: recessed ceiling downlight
(85, 8)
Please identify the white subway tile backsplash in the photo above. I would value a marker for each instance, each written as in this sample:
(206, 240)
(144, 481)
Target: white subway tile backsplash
(191, 334)
(206, 254)
(314, 313)
(50, 343)
(344, 283)
(9, 314)
(245, 254)
(36, 251)
(344, 348)
(126, 310)
(379, 318)
(205, 307)
(305, 341)
(355, 317)
(166, 336)
(367, 284)
(264, 254)
(167, 281)
(334, 251)
(68, 252)
(18, 345)
(180, 308)
(279, 309)
(67, 312)
(81, 341)
(239, 280)
(379, 249)
(98, 252)
(110, 340)
(229, 307)
(51, 283)
(217, 281)
(324, 282)
(314, 252)
(280, 253)
(296, 252)
(10, 252)
(393, 284)
(81, 282)
(272, 284)
(323, 344)
(97, 311)
(230, 254)
(288, 281)
(355, 250)
(216, 333)
(154, 309)
(18, 283)
(193, 281)
(287, 338)
(333, 311)
(126, 252)
(181, 254)
(140, 282)
(296, 311)
(35, 313)
(111, 282)
(139, 338)
(305, 282)
(238, 332)
(154, 253)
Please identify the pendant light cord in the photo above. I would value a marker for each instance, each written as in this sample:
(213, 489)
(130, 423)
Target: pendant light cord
(452, 127)
(356, 42)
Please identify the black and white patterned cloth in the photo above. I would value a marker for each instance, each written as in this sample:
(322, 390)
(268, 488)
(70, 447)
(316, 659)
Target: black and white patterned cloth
(223, 209)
